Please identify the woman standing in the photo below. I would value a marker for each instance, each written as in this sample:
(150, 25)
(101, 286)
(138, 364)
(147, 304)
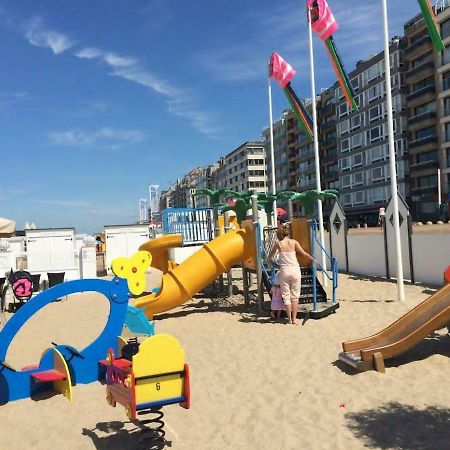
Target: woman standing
(289, 274)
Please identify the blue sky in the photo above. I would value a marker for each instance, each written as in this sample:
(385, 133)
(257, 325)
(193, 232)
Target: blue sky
(99, 99)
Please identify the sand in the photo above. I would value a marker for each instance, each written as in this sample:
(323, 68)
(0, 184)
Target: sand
(255, 384)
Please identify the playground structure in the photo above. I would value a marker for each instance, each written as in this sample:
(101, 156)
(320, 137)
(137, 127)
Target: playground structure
(403, 334)
(243, 246)
(149, 375)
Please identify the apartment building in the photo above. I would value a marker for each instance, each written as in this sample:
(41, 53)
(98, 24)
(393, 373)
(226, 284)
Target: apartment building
(423, 122)
(280, 152)
(183, 195)
(362, 137)
(244, 168)
(443, 103)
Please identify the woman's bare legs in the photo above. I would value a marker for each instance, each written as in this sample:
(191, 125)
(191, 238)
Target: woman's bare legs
(288, 313)
(294, 310)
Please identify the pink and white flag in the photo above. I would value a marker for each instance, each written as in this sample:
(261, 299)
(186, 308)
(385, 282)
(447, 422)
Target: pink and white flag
(322, 19)
(280, 70)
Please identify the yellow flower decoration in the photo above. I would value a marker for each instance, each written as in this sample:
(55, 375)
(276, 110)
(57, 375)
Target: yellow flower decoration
(133, 270)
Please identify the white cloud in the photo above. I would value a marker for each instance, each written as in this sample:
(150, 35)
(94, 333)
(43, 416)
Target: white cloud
(39, 36)
(104, 138)
(179, 102)
(8, 98)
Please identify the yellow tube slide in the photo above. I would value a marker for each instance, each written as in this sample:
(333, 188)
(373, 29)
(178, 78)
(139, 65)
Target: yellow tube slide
(184, 281)
(159, 248)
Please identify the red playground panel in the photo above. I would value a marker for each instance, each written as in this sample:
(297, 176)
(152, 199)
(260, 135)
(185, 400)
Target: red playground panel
(447, 274)
(48, 375)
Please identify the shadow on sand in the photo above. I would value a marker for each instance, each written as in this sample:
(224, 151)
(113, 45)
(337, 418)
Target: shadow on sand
(121, 438)
(398, 426)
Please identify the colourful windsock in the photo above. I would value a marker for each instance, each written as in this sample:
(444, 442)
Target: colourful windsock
(432, 26)
(283, 73)
(324, 24)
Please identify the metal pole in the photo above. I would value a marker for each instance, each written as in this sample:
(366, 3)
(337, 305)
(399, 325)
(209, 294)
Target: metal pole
(400, 286)
(439, 189)
(272, 157)
(226, 224)
(257, 252)
(316, 149)
(290, 210)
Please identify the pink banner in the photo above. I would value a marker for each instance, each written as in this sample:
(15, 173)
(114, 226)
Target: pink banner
(322, 19)
(280, 70)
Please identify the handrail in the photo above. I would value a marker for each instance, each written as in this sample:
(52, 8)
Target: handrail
(333, 264)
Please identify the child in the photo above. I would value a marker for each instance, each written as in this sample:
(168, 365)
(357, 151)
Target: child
(276, 304)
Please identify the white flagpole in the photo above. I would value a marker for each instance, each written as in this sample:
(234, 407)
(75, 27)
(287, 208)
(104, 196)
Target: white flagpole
(400, 286)
(272, 158)
(316, 147)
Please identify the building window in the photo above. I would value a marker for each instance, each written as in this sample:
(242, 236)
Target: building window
(357, 160)
(427, 156)
(355, 83)
(356, 121)
(376, 154)
(373, 93)
(374, 134)
(359, 197)
(428, 181)
(425, 132)
(346, 181)
(343, 110)
(358, 178)
(373, 72)
(344, 127)
(378, 195)
(445, 29)
(357, 140)
(345, 145)
(345, 163)
(374, 113)
(347, 199)
(377, 174)
(425, 108)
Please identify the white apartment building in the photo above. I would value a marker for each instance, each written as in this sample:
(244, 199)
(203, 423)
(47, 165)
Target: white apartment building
(244, 169)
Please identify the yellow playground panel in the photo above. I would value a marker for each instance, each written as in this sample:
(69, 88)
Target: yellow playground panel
(155, 376)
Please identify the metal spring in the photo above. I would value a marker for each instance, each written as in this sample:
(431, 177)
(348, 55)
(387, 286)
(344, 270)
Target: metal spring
(153, 425)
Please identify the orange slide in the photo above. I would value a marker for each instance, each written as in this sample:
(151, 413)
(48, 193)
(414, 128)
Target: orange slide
(413, 327)
(182, 282)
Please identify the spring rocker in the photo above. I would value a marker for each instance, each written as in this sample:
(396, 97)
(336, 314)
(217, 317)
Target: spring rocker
(146, 377)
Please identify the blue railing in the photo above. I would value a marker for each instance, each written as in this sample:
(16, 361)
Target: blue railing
(333, 264)
(196, 225)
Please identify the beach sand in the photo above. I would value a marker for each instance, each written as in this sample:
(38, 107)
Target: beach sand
(254, 384)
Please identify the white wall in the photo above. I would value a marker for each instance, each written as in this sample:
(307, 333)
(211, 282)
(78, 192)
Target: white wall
(124, 241)
(366, 254)
(180, 254)
(431, 256)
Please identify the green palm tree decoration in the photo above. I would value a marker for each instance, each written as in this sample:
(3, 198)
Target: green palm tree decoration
(309, 198)
(214, 194)
(266, 200)
(240, 207)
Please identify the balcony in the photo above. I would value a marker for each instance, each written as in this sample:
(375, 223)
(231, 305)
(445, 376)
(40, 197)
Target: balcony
(430, 89)
(329, 141)
(421, 41)
(422, 141)
(329, 124)
(421, 117)
(331, 175)
(422, 66)
(327, 108)
(329, 157)
(424, 165)
(445, 84)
